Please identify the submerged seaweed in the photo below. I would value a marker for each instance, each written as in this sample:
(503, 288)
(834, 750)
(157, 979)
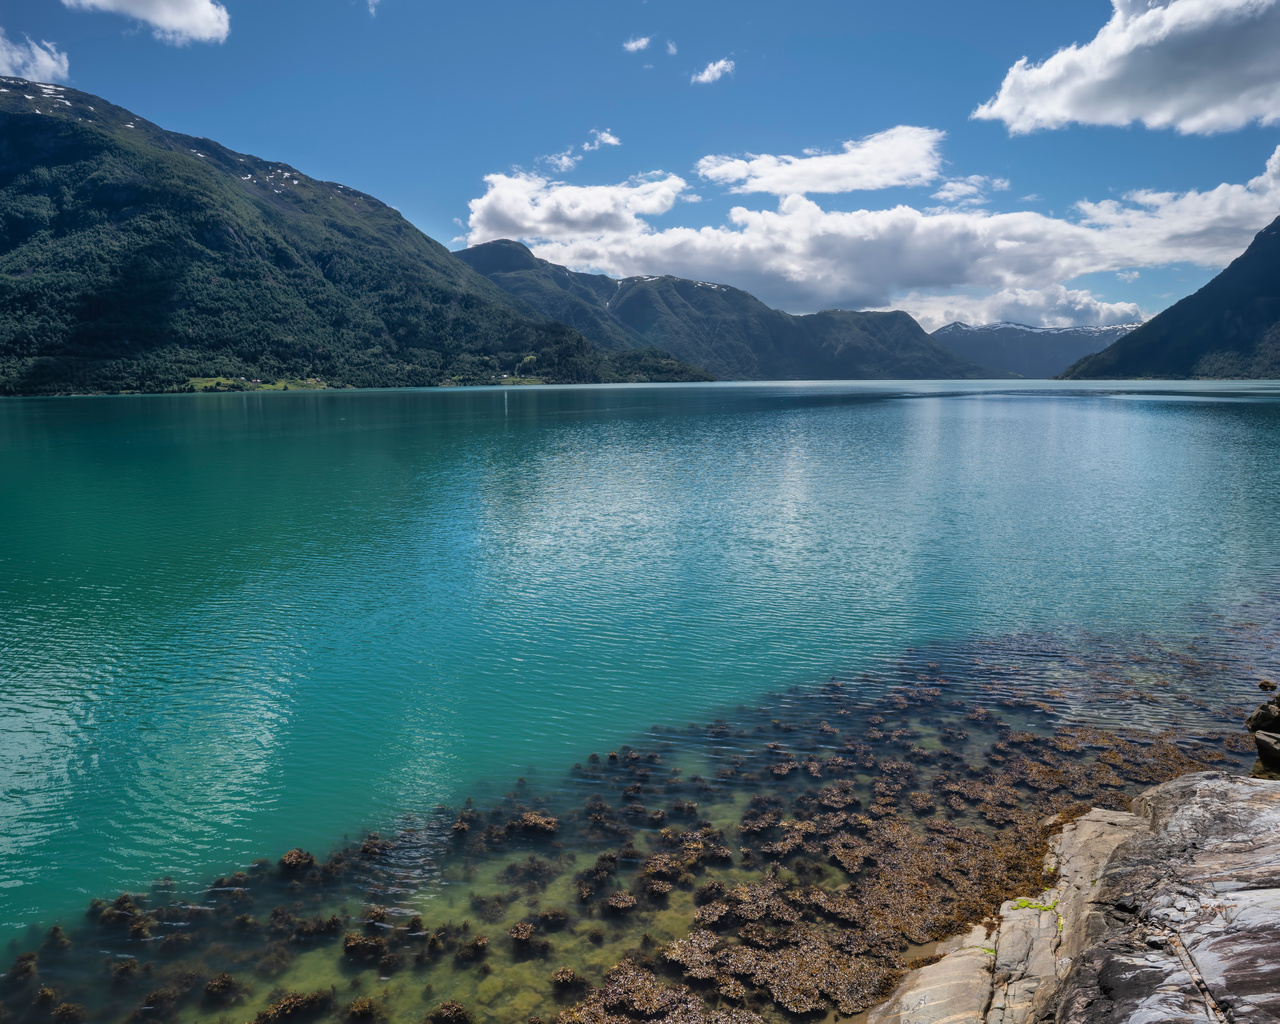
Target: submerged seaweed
(778, 862)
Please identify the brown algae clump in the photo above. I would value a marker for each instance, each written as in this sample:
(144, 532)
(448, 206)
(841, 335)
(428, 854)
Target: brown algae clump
(297, 1006)
(222, 988)
(449, 1013)
(621, 901)
(297, 859)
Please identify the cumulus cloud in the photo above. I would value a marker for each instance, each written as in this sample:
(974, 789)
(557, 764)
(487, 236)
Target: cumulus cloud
(601, 138)
(671, 48)
(1199, 66)
(562, 162)
(172, 21)
(900, 156)
(799, 256)
(1051, 306)
(38, 62)
(713, 72)
(971, 190)
(532, 206)
(637, 43)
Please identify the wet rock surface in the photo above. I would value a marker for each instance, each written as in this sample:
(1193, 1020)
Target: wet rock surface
(1168, 913)
(1265, 726)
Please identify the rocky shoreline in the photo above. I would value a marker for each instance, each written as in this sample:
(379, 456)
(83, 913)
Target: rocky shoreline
(1169, 912)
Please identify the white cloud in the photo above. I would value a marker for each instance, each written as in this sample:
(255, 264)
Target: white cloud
(713, 72)
(1128, 276)
(567, 161)
(799, 256)
(904, 155)
(532, 206)
(970, 191)
(38, 62)
(1051, 306)
(601, 138)
(562, 162)
(637, 43)
(373, 7)
(1199, 66)
(172, 21)
(671, 48)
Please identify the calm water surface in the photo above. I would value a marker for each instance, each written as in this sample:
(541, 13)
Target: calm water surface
(232, 624)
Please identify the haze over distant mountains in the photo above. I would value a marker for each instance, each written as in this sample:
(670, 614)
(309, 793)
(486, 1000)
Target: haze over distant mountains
(1027, 351)
(132, 258)
(1230, 328)
(724, 330)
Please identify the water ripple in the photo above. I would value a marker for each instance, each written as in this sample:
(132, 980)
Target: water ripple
(233, 624)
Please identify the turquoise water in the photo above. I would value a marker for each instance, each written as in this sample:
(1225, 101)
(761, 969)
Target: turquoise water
(233, 624)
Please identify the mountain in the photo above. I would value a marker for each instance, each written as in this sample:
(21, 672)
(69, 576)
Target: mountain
(1230, 328)
(133, 258)
(727, 332)
(1027, 351)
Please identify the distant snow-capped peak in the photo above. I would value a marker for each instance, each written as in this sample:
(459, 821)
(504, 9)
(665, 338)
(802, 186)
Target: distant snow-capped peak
(958, 327)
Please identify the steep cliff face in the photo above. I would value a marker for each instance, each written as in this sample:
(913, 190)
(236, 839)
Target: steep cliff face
(1230, 328)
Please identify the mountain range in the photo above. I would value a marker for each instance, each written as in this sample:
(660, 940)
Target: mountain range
(133, 258)
(1230, 328)
(137, 259)
(1027, 351)
(726, 331)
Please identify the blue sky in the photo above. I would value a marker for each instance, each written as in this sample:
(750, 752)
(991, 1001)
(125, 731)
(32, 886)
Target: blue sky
(472, 119)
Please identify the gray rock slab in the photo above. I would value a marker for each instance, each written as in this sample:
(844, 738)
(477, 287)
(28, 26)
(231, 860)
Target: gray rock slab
(1205, 878)
(955, 990)
(1237, 951)
(1167, 915)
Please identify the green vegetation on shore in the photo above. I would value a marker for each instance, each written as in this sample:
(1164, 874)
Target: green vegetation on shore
(242, 384)
(136, 259)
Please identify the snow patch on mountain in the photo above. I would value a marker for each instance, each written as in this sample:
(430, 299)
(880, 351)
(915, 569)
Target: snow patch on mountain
(1113, 331)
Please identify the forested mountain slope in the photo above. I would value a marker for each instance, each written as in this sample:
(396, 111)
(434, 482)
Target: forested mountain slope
(726, 331)
(133, 258)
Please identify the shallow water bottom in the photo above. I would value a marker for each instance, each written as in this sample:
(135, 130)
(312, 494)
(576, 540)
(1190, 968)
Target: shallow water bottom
(782, 861)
